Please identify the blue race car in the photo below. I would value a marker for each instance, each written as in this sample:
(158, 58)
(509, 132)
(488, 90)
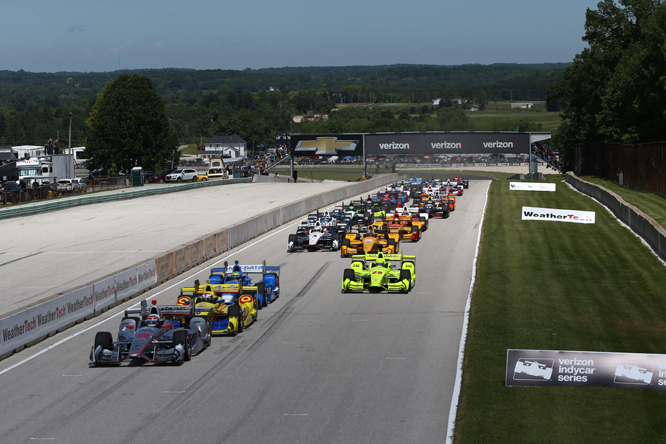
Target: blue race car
(268, 289)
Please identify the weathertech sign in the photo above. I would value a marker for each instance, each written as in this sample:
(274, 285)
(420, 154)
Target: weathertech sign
(575, 216)
(447, 143)
(585, 369)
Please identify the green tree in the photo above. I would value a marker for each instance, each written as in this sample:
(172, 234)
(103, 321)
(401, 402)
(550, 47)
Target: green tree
(128, 127)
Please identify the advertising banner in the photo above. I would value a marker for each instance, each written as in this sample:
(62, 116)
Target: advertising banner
(447, 143)
(40, 320)
(341, 145)
(146, 275)
(104, 293)
(585, 369)
(127, 284)
(531, 186)
(575, 216)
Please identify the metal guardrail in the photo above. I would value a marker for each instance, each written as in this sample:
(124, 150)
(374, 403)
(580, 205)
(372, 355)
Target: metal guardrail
(70, 202)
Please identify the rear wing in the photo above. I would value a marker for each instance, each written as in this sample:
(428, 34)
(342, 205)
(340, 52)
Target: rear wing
(398, 257)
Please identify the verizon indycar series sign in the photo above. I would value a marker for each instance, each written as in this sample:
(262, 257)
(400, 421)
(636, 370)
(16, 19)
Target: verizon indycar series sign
(531, 186)
(552, 214)
(585, 369)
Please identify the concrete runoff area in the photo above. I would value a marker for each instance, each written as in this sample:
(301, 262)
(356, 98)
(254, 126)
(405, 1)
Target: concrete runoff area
(318, 366)
(51, 253)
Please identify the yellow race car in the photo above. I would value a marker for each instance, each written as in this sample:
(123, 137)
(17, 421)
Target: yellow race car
(234, 306)
(372, 241)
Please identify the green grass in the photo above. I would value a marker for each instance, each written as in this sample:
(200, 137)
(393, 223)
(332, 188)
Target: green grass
(649, 203)
(559, 286)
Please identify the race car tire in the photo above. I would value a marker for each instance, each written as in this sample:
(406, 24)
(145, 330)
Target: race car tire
(348, 274)
(105, 339)
(256, 308)
(183, 338)
(291, 242)
(418, 234)
(405, 274)
(261, 288)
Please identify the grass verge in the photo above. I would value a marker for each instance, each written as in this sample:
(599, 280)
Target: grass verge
(559, 286)
(649, 203)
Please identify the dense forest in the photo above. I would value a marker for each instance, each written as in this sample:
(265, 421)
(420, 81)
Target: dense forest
(256, 104)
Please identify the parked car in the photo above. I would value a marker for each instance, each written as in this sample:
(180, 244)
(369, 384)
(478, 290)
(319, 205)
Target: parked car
(161, 177)
(72, 185)
(216, 173)
(182, 175)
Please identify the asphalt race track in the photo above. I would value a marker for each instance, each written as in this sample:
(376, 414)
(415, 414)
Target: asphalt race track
(318, 366)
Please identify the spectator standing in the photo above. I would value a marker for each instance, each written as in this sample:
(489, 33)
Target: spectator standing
(56, 147)
(50, 147)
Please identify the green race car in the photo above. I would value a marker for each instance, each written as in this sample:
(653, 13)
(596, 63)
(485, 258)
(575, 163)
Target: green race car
(375, 272)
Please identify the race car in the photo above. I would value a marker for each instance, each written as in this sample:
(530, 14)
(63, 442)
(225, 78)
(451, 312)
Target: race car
(233, 306)
(159, 334)
(371, 241)
(375, 273)
(267, 290)
(404, 226)
(313, 238)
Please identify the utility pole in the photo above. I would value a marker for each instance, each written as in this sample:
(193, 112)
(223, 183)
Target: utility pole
(69, 143)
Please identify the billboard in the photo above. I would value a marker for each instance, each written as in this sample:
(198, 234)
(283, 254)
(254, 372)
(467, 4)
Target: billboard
(585, 369)
(447, 143)
(341, 145)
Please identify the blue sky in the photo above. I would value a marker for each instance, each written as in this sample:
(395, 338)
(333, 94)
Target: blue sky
(98, 35)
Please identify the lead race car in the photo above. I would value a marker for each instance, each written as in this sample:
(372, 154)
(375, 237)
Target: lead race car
(161, 334)
(375, 273)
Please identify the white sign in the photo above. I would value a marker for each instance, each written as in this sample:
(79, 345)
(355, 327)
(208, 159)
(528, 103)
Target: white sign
(126, 284)
(579, 217)
(104, 293)
(531, 186)
(42, 319)
(147, 275)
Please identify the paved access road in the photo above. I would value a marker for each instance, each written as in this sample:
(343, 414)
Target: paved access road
(318, 366)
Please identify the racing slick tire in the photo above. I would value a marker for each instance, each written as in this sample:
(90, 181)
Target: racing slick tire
(105, 339)
(405, 274)
(261, 288)
(183, 338)
(291, 242)
(391, 242)
(348, 274)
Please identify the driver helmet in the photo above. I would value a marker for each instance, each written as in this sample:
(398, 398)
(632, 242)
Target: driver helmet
(236, 274)
(152, 320)
(207, 297)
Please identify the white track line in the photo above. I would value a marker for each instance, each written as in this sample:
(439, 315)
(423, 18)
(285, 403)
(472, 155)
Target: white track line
(463, 337)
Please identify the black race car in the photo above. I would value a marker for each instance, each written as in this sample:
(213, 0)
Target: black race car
(159, 334)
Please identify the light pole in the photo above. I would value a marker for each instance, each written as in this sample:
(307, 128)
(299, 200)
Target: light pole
(69, 146)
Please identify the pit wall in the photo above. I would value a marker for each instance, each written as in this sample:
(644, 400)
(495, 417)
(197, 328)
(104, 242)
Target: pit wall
(34, 324)
(642, 224)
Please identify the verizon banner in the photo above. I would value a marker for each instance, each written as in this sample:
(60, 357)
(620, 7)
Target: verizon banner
(447, 143)
(531, 186)
(585, 369)
(575, 216)
(42, 319)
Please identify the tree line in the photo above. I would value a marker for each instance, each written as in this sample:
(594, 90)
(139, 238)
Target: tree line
(255, 104)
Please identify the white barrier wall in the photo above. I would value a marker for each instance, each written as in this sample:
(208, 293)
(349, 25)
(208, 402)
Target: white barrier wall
(38, 322)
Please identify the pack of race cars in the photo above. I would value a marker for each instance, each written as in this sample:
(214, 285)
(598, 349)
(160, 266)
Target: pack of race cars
(369, 231)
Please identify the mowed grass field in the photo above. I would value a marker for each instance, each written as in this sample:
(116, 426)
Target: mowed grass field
(559, 286)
